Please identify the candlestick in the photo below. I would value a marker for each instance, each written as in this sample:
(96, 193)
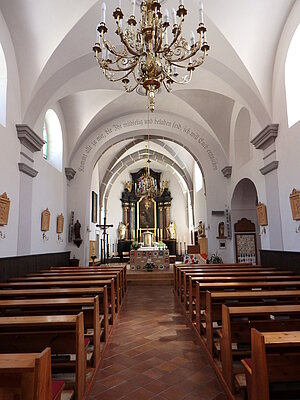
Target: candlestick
(201, 13)
(166, 15)
(174, 16)
(192, 38)
(103, 11)
(133, 7)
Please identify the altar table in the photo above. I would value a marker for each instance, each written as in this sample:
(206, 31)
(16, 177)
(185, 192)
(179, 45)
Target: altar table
(140, 257)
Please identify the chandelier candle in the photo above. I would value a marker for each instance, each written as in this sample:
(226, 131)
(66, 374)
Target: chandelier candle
(149, 57)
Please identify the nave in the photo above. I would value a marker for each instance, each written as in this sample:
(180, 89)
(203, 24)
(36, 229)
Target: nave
(153, 354)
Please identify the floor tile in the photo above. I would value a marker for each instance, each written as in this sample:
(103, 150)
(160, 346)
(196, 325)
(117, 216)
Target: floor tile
(152, 353)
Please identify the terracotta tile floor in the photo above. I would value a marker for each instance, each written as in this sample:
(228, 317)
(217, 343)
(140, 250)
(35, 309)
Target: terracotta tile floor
(152, 353)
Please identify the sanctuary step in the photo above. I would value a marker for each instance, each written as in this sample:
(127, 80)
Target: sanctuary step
(150, 278)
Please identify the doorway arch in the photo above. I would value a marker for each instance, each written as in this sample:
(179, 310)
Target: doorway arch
(243, 205)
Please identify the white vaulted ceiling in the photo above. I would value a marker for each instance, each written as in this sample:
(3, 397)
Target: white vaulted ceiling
(53, 42)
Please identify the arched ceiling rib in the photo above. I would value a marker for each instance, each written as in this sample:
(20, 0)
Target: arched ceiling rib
(112, 174)
(75, 45)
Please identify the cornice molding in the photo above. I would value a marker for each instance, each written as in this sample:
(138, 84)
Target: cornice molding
(227, 171)
(266, 137)
(29, 138)
(70, 173)
(26, 169)
(269, 167)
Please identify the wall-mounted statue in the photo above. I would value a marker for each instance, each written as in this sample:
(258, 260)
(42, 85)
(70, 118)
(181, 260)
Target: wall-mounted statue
(128, 185)
(221, 230)
(122, 231)
(77, 239)
(201, 230)
(172, 230)
(77, 227)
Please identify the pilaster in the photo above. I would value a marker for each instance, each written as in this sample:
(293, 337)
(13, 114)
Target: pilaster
(266, 141)
(30, 143)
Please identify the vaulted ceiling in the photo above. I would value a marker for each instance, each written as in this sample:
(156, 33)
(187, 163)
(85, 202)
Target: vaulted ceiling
(53, 42)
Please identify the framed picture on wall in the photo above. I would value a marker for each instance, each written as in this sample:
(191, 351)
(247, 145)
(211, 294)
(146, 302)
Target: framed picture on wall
(94, 216)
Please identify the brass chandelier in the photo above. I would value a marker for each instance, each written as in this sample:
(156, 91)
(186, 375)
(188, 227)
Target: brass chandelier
(147, 185)
(149, 55)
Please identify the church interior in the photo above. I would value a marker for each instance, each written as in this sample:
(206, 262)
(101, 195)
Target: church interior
(149, 199)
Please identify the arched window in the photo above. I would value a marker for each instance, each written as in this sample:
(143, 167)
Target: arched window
(45, 138)
(292, 79)
(3, 87)
(198, 177)
(52, 134)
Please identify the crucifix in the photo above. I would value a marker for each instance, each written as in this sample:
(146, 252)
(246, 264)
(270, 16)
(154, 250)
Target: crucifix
(104, 241)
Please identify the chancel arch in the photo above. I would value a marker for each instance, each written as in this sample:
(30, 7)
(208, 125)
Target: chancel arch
(176, 129)
(129, 161)
(124, 204)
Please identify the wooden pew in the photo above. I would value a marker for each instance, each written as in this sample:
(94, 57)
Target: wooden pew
(78, 278)
(81, 270)
(67, 284)
(185, 275)
(7, 294)
(275, 357)
(64, 334)
(114, 268)
(201, 289)
(88, 305)
(236, 328)
(28, 376)
(185, 267)
(214, 301)
(231, 277)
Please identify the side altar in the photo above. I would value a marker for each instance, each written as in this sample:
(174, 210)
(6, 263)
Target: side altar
(142, 213)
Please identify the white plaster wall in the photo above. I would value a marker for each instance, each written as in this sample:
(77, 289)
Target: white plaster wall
(49, 191)
(10, 146)
(199, 202)
(288, 140)
(179, 207)
(94, 187)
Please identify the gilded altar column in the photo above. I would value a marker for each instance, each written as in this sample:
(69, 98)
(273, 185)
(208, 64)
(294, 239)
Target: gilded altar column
(167, 218)
(125, 219)
(132, 221)
(161, 222)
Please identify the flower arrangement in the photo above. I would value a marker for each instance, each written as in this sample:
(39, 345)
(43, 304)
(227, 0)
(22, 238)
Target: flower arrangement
(215, 259)
(135, 245)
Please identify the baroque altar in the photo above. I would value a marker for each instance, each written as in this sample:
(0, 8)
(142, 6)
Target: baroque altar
(142, 213)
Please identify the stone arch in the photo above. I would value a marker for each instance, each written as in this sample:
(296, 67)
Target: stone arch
(243, 205)
(112, 175)
(198, 142)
